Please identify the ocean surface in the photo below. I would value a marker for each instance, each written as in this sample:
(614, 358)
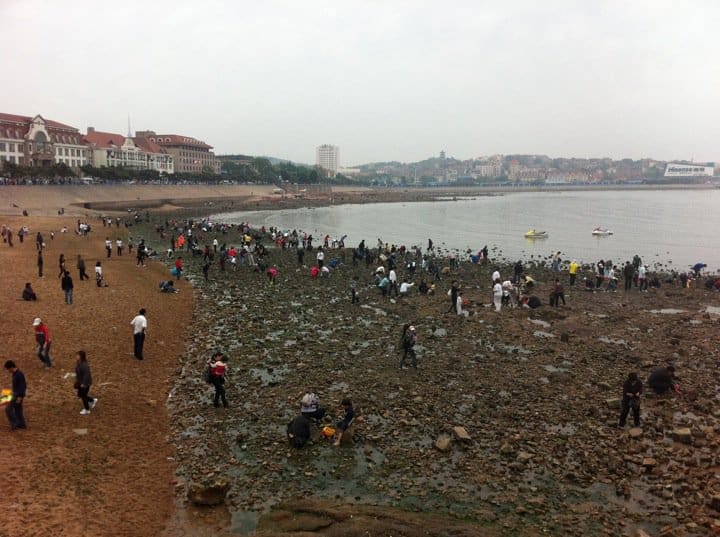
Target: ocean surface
(667, 228)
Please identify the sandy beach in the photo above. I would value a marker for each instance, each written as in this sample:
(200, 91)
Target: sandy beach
(108, 473)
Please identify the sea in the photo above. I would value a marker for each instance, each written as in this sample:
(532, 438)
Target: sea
(668, 229)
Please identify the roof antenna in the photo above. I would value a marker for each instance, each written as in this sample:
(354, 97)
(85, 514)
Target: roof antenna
(129, 131)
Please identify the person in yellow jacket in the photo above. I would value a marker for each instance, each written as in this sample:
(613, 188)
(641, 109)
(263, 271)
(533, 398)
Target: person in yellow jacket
(573, 271)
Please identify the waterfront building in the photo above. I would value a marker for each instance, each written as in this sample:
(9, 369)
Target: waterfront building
(189, 154)
(36, 141)
(139, 153)
(328, 159)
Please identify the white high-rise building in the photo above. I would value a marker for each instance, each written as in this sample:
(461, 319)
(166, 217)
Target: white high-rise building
(328, 158)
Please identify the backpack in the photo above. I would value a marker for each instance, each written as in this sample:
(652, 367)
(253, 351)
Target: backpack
(206, 374)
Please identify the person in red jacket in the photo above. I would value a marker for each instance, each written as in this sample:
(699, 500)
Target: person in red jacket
(43, 341)
(218, 370)
(178, 267)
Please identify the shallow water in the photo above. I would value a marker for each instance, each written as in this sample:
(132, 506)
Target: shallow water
(676, 227)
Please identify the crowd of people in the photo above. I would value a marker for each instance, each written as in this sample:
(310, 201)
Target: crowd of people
(397, 272)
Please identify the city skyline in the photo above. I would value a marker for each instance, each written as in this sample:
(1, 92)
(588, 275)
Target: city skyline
(395, 82)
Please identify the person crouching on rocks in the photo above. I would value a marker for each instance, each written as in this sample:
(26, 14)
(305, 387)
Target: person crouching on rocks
(218, 370)
(407, 341)
(298, 431)
(310, 406)
(631, 399)
(347, 419)
(663, 379)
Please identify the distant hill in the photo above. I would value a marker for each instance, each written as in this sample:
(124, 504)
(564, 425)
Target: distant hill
(273, 160)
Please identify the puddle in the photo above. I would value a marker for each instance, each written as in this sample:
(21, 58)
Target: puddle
(377, 311)
(553, 369)
(244, 522)
(668, 311)
(546, 335)
(562, 430)
(269, 375)
(605, 339)
(539, 322)
(714, 310)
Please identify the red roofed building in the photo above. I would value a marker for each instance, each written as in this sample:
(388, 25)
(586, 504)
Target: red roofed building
(139, 153)
(36, 141)
(189, 154)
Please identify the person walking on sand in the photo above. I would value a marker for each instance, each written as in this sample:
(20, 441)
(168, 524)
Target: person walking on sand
(40, 264)
(178, 268)
(407, 341)
(39, 241)
(66, 285)
(139, 324)
(108, 247)
(631, 399)
(83, 381)
(497, 294)
(14, 409)
(81, 268)
(43, 342)
(218, 370)
(61, 265)
(119, 244)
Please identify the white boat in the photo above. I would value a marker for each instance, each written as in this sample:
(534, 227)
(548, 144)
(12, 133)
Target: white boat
(598, 231)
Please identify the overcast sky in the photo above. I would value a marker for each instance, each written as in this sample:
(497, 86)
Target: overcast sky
(385, 80)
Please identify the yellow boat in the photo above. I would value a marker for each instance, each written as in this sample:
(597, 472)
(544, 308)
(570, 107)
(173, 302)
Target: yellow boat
(533, 234)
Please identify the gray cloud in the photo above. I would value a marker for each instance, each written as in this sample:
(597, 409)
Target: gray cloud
(383, 80)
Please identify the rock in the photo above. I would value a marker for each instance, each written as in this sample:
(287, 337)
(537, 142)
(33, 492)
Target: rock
(564, 337)
(715, 502)
(635, 432)
(506, 449)
(613, 402)
(461, 433)
(443, 443)
(641, 533)
(212, 493)
(683, 435)
(649, 463)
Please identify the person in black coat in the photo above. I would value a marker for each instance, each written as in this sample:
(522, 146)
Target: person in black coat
(631, 399)
(298, 431)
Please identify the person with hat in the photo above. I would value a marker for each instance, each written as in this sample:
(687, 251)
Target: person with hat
(43, 341)
(408, 340)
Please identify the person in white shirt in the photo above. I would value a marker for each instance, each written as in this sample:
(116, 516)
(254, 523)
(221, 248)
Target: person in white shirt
(392, 276)
(320, 258)
(119, 244)
(497, 295)
(459, 303)
(496, 276)
(139, 324)
(405, 288)
(642, 278)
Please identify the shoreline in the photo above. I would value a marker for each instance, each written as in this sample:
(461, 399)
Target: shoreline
(86, 200)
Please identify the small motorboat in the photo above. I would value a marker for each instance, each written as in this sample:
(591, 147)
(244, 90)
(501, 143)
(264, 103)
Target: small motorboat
(533, 234)
(600, 232)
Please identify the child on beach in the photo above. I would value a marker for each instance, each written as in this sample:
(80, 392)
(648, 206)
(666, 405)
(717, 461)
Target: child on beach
(347, 419)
